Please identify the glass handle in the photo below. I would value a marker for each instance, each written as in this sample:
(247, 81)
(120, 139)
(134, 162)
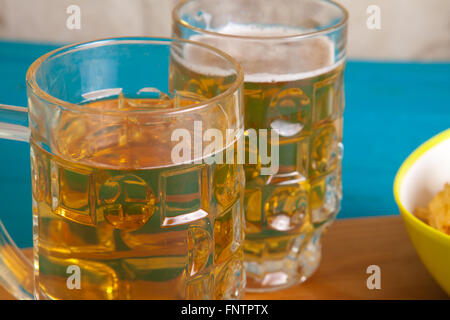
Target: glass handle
(14, 123)
(16, 270)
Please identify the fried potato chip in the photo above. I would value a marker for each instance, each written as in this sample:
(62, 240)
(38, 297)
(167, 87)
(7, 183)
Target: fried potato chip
(437, 213)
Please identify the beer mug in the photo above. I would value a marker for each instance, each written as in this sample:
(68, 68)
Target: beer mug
(118, 213)
(293, 55)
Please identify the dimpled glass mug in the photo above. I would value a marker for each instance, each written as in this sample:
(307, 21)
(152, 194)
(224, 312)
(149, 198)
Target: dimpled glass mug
(293, 55)
(114, 217)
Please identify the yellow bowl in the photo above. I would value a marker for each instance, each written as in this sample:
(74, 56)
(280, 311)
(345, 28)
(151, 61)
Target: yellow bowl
(421, 176)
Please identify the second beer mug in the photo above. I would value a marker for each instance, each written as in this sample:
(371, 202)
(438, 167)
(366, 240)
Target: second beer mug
(123, 207)
(292, 53)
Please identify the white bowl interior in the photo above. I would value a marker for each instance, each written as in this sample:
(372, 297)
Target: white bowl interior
(426, 177)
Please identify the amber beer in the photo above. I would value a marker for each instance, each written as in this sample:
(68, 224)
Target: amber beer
(294, 88)
(287, 212)
(135, 229)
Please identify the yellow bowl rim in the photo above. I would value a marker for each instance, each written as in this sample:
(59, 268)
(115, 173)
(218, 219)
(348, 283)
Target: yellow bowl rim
(401, 173)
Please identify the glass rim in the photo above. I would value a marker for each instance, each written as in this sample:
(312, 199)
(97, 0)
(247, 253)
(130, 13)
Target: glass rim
(176, 18)
(36, 89)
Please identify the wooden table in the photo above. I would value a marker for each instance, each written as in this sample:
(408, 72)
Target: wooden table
(349, 247)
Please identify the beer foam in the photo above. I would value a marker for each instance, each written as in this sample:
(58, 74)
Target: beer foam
(274, 60)
(205, 62)
(255, 30)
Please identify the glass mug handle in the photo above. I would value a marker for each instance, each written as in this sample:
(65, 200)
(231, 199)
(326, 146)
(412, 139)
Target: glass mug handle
(16, 270)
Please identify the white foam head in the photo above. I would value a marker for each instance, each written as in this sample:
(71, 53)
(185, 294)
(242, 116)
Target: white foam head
(273, 60)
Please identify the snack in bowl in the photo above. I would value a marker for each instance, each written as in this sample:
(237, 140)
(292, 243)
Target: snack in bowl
(421, 183)
(437, 213)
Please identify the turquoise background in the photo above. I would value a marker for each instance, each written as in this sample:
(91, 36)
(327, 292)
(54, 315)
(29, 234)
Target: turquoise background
(391, 108)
